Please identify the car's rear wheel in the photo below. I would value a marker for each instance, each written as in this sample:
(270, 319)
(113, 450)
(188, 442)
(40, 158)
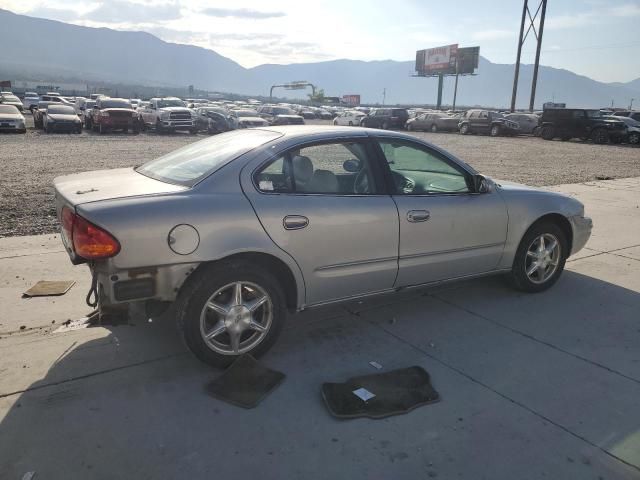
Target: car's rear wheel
(231, 309)
(495, 130)
(634, 138)
(600, 136)
(434, 128)
(540, 257)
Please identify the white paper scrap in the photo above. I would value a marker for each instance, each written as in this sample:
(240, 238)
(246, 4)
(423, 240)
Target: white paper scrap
(363, 394)
(375, 365)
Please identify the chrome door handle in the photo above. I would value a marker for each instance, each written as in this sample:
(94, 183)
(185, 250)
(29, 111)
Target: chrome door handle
(295, 222)
(415, 216)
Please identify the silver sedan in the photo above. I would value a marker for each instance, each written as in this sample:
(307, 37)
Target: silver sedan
(243, 227)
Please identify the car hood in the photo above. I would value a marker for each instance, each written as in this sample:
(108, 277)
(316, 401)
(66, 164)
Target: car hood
(63, 116)
(119, 109)
(252, 119)
(11, 102)
(99, 185)
(175, 109)
(11, 116)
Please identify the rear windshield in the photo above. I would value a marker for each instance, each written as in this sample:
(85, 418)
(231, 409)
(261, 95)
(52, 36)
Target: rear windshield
(190, 164)
(115, 104)
(61, 109)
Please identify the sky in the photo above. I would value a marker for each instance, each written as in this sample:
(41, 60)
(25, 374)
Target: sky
(596, 38)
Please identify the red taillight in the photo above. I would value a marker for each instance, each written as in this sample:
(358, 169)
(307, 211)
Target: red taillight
(89, 241)
(68, 217)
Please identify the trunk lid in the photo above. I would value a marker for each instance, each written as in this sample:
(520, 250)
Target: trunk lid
(100, 185)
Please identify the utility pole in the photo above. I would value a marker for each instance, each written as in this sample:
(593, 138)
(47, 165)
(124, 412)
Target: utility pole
(534, 83)
(514, 93)
(541, 10)
(631, 103)
(440, 82)
(384, 95)
(455, 88)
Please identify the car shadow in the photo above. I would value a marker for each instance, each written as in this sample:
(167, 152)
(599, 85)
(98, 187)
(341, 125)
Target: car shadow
(127, 401)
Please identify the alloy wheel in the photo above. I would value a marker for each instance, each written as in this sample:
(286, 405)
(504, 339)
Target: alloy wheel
(236, 318)
(542, 259)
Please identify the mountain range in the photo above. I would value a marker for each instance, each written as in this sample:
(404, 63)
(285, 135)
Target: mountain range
(47, 50)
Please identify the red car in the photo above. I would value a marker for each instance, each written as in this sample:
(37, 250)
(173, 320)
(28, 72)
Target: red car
(113, 114)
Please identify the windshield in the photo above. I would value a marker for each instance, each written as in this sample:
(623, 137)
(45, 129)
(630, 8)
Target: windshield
(170, 102)
(115, 104)
(594, 113)
(188, 165)
(246, 113)
(282, 111)
(61, 109)
(8, 109)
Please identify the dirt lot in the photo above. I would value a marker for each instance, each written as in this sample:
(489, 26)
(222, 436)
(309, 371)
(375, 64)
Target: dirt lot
(28, 164)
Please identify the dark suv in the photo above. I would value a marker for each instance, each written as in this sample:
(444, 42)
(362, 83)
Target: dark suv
(386, 118)
(568, 123)
(486, 121)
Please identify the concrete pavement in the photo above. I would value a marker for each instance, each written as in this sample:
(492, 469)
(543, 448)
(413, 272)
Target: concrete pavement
(532, 386)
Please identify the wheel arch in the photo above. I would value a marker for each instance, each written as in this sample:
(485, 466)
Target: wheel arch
(265, 261)
(557, 219)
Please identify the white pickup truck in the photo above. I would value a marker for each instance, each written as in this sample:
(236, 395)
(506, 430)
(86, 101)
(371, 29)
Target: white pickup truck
(167, 115)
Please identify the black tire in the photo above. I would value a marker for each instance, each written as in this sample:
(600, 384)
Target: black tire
(350, 123)
(102, 129)
(634, 139)
(79, 130)
(335, 123)
(204, 283)
(87, 124)
(434, 128)
(536, 131)
(464, 129)
(159, 127)
(547, 133)
(600, 136)
(519, 277)
(48, 129)
(495, 130)
(193, 131)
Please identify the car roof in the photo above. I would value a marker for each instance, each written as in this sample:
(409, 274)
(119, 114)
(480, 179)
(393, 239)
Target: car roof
(328, 131)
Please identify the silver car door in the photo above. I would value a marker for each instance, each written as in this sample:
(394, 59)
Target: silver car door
(446, 229)
(323, 204)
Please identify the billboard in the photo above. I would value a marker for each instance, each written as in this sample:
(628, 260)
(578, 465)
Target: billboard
(447, 60)
(351, 100)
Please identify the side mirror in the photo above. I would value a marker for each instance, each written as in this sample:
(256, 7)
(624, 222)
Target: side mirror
(482, 184)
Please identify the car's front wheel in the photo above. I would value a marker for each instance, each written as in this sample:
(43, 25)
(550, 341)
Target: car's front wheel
(464, 129)
(540, 258)
(231, 309)
(634, 138)
(434, 128)
(495, 130)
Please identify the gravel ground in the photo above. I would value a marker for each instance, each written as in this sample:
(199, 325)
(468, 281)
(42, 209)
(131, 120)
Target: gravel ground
(29, 162)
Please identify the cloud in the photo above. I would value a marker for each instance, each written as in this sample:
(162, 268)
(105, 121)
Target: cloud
(62, 14)
(244, 36)
(241, 13)
(117, 11)
(593, 17)
(495, 34)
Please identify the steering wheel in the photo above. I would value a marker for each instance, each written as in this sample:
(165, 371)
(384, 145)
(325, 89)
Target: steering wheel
(404, 184)
(361, 183)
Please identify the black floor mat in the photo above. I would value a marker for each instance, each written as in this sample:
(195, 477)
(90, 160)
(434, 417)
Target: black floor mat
(245, 383)
(396, 392)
